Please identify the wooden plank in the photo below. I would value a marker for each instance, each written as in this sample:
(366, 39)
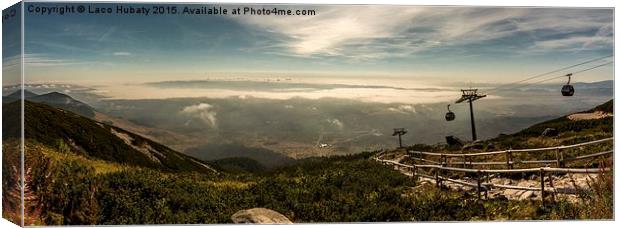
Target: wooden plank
(513, 187)
(424, 160)
(542, 186)
(529, 170)
(537, 162)
(589, 156)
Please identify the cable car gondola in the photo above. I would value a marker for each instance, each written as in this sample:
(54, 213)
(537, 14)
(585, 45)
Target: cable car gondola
(450, 115)
(567, 90)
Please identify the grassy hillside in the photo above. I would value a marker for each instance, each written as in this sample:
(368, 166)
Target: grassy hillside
(337, 189)
(578, 131)
(58, 128)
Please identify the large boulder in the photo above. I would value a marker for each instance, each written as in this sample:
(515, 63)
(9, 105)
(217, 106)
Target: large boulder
(259, 216)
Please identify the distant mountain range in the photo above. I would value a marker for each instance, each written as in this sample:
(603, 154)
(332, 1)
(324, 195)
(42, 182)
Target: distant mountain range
(54, 99)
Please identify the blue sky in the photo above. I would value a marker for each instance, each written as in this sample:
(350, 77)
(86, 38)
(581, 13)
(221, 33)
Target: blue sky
(469, 44)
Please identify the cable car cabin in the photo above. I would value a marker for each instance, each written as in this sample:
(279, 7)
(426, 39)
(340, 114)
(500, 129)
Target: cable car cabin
(450, 115)
(568, 90)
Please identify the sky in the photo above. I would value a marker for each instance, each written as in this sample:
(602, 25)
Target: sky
(363, 43)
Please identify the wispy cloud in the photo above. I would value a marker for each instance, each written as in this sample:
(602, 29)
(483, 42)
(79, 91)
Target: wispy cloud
(371, 32)
(12, 64)
(121, 53)
(41, 60)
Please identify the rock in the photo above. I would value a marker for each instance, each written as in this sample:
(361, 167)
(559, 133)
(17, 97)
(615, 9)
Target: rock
(501, 197)
(550, 132)
(477, 145)
(259, 216)
(490, 147)
(511, 192)
(453, 140)
(519, 193)
(527, 195)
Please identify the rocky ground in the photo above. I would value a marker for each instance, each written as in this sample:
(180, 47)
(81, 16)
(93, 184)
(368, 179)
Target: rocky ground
(589, 115)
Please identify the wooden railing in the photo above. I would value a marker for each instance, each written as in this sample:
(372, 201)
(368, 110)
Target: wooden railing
(480, 173)
(441, 167)
(466, 158)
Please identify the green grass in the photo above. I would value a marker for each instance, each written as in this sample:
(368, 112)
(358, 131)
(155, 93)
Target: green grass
(99, 166)
(337, 189)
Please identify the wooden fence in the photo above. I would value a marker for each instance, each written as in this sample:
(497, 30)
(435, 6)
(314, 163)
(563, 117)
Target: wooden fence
(442, 166)
(509, 162)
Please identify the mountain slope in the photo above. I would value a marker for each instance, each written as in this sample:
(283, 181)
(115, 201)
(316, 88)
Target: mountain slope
(17, 95)
(65, 102)
(601, 127)
(54, 99)
(63, 129)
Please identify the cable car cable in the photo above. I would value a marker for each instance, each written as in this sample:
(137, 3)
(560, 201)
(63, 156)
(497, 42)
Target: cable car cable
(548, 73)
(549, 79)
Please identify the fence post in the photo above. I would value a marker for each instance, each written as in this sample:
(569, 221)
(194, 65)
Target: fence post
(542, 186)
(437, 178)
(561, 159)
(443, 160)
(479, 184)
(557, 158)
(509, 158)
(415, 174)
(551, 184)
